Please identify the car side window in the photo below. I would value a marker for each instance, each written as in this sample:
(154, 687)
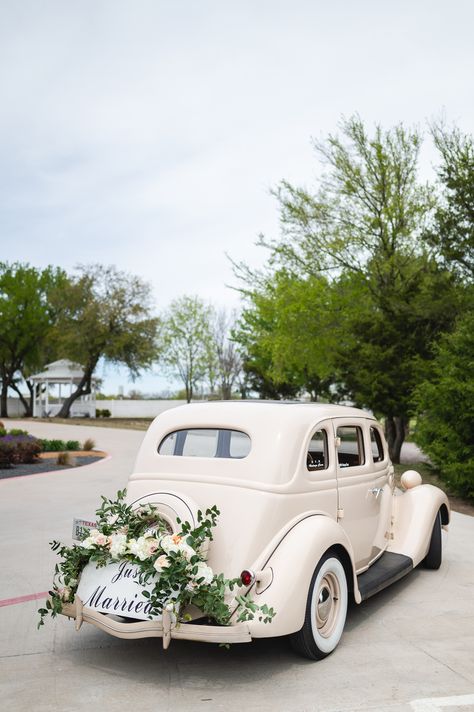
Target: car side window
(317, 455)
(376, 445)
(350, 451)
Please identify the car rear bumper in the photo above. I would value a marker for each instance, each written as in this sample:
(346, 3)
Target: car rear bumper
(165, 628)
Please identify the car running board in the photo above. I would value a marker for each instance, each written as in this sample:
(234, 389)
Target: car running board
(386, 570)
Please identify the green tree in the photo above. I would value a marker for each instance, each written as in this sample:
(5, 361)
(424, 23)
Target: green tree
(445, 405)
(105, 314)
(362, 228)
(26, 319)
(288, 335)
(384, 353)
(186, 341)
(453, 229)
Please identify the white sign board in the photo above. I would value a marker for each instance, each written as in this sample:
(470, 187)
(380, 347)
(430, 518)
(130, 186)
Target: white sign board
(116, 589)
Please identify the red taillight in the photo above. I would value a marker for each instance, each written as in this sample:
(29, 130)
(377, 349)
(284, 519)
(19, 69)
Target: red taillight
(247, 577)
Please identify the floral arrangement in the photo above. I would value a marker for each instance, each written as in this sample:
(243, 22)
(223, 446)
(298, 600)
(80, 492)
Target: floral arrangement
(142, 537)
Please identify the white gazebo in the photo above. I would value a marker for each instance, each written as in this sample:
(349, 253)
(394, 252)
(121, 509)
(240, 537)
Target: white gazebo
(56, 383)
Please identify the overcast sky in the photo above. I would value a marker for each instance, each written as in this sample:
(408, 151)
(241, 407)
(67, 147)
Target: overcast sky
(147, 133)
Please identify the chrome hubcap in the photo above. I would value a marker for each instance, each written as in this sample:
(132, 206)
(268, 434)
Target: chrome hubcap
(328, 604)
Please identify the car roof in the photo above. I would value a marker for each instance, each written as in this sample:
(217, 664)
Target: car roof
(258, 413)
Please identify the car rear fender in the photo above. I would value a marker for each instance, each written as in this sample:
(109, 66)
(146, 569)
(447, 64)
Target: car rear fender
(291, 564)
(414, 514)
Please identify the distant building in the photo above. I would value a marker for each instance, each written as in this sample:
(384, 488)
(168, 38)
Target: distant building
(56, 383)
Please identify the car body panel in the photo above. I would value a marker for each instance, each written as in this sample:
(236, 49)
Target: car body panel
(277, 516)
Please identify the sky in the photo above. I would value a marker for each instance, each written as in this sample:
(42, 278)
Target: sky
(148, 134)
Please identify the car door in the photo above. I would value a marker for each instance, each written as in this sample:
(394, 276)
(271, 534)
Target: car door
(319, 467)
(361, 488)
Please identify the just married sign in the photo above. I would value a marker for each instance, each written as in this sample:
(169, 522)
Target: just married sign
(116, 589)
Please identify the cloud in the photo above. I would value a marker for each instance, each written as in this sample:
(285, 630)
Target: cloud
(148, 134)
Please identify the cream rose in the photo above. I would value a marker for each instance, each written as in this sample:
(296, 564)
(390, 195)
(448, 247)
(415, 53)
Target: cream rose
(161, 563)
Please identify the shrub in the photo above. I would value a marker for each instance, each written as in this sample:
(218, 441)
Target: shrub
(18, 449)
(6, 453)
(2, 432)
(89, 444)
(102, 413)
(445, 409)
(28, 448)
(17, 431)
(66, 459)
(53, 445)
(73, 445)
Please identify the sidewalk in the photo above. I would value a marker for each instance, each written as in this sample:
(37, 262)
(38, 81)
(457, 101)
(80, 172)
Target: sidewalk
(414, 640)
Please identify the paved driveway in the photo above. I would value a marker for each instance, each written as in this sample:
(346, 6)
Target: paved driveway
(409, 648)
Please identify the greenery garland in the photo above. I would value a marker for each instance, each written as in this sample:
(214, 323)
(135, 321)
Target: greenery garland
(142, 537)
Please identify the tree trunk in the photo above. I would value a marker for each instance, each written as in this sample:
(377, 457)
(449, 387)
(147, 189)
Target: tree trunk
(189, 391)
(83, 389)
(226, 392)
(395, 428)
(3, 400)
(28, 406)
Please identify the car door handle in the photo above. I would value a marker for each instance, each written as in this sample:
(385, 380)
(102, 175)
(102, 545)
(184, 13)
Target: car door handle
(376, 491)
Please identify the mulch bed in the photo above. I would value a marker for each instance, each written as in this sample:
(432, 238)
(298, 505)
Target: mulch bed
(45, 465)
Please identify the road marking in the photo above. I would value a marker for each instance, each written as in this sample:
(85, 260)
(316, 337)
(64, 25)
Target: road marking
(23, 599)
(433, 704)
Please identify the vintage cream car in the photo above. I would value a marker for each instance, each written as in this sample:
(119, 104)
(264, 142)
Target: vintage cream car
(310, 514)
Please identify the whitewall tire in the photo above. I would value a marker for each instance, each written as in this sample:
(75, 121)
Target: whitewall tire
(326, 610)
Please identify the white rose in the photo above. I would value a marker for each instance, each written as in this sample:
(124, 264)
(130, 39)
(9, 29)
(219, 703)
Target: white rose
(203, 572)
(186, 550)
(170, 543)
(135, 547)
(143, 547)
(87, 543)
(177, 544)
(117, 545)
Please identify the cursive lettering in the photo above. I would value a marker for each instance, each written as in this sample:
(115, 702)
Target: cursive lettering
(100, 601)
(125, 571)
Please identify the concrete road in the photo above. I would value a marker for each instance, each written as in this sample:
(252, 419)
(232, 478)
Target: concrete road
(409, 648)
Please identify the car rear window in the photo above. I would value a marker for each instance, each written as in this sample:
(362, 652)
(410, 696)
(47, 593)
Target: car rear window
(206, 442)
(317, 456)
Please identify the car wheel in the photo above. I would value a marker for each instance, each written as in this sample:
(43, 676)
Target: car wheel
(326, 610)
(434, 556)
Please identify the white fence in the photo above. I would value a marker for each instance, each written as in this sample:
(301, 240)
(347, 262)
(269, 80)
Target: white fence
(118, 408)
(137, 408)
(15, 408)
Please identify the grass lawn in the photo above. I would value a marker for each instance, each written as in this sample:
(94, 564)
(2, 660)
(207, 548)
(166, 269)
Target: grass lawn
(124, 423)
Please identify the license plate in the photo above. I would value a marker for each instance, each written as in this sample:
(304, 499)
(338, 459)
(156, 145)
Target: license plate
(80, 527)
